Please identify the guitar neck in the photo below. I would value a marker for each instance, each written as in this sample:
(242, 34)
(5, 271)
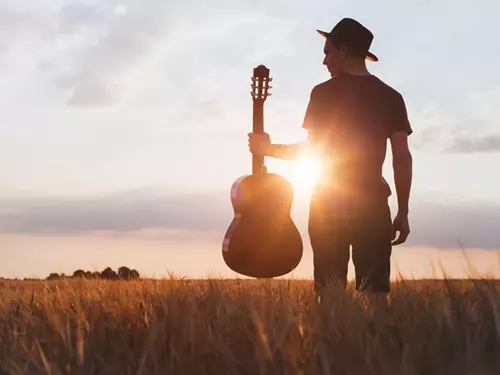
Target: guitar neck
(258, 127)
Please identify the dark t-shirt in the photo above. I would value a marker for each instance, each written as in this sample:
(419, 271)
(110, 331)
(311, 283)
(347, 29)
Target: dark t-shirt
(353, 117)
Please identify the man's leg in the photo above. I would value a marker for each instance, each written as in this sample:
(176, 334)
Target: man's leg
(330, 244)
(372, 227)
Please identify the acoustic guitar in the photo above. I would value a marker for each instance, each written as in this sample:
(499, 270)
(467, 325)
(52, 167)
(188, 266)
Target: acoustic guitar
(262, 240)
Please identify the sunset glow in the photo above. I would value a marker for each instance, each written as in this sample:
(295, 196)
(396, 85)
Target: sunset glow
(305, 174)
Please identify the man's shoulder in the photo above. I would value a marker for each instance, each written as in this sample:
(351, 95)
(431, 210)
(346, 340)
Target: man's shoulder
(324, 89)
(387, 87)
(321, 86)
(342, 82)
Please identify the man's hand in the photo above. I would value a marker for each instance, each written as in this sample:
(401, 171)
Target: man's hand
(259, 143)
(401, 225)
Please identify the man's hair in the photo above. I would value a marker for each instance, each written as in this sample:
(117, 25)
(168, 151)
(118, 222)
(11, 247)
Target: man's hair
(351, 51)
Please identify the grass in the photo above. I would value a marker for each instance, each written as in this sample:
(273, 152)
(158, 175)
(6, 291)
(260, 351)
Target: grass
(220, 327)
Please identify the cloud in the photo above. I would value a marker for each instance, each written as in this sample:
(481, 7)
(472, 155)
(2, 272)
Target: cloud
(128, 38)
(74, 17)
(478, 133)
(193, 48)
(474, 144)
(19, 26)
(471, 128)
(133, 211)
(91, 94)
(435, 223)
(426, 138)
(454, 141)
(453, 224)
(120, 213)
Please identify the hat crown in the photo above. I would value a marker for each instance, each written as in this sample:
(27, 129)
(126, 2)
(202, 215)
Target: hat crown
(353, 33)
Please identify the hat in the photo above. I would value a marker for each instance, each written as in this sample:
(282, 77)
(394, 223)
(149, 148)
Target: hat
(353, 34)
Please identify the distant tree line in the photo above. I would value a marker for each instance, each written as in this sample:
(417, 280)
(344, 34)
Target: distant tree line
(124, 273)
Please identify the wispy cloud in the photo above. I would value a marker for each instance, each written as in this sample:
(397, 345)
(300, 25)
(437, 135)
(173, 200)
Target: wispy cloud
(469, 128)
(75, 17)
(433, 223)
(119, 213)
(197, 46)
(127, 39)
(474, 144)
(19, 25)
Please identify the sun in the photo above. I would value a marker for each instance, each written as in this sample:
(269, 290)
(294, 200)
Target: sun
(304, 174)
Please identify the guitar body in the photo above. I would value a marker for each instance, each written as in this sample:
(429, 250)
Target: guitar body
(262, 241)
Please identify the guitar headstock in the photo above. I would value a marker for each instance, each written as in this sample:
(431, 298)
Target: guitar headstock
(260, 83)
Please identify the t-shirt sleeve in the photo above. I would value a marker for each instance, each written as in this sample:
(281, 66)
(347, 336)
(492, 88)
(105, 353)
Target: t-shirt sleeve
(399, 117)
(311, 117)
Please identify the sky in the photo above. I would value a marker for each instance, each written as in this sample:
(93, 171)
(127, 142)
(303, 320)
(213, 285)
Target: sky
(124, 125)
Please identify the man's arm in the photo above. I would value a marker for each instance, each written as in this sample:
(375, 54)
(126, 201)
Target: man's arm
(286, 152)
(262, 145)
(402, 163)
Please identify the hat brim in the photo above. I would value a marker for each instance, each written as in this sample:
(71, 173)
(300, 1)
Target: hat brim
(369, 56)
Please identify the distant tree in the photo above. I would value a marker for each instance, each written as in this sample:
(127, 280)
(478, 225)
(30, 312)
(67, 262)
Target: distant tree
(79, 274)
(134, 275)
(109, 274)
(124, 273)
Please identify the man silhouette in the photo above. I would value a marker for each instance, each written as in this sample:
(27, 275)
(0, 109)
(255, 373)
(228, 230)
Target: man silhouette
(349, 119)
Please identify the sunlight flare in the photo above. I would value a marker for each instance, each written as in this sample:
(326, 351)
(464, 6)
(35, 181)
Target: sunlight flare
(305, 174)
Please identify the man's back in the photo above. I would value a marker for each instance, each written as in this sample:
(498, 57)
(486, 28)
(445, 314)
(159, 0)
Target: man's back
(353, 116)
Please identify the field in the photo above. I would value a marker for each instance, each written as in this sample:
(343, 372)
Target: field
(176, 326)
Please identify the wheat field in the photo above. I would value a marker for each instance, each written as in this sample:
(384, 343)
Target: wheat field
(217, 326)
